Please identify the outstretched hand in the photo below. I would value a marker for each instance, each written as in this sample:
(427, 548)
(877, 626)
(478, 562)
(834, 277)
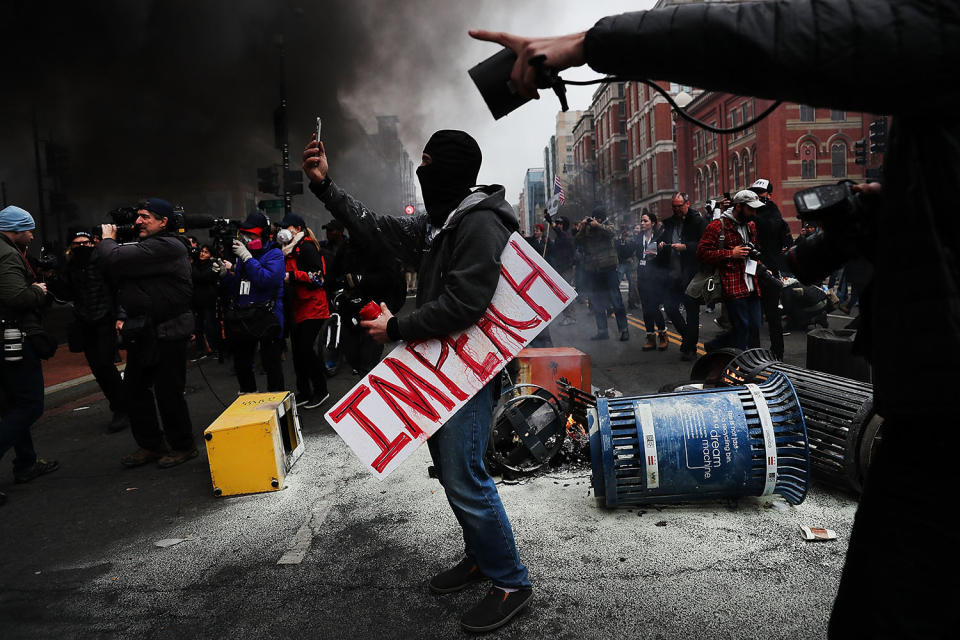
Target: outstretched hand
(315, 161)
(561, 52)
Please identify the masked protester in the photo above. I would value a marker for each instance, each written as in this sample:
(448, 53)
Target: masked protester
(93, 332)
(457, 245)
(254, 313)
(305, 273)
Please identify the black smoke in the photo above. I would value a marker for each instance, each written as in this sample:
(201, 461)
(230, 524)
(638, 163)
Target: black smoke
(175, 98)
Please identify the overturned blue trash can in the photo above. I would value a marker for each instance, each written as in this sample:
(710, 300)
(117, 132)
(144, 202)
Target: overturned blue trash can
(700, 445)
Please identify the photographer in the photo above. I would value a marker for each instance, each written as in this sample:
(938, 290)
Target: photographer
(773, 239)
(677, 258)
(154, 289)
(254, 315)
(895, 586)
(205, 281)
(21, 377)
(94, 332)
(725, 243)
(305, 273)
(457, 245)
(596, 239)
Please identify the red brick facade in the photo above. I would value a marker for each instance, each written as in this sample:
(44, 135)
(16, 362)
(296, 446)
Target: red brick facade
(796, 147)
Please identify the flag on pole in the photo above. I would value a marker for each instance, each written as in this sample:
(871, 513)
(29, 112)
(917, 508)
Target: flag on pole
(558, 189)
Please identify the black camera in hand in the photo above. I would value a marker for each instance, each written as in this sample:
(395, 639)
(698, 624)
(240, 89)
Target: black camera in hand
(754, 252)
(829, 202)
(125, 219)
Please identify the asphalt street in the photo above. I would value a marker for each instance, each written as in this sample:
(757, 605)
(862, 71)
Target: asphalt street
(80, 557)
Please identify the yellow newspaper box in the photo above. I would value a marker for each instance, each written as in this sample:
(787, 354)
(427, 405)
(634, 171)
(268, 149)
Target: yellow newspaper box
(254, 443)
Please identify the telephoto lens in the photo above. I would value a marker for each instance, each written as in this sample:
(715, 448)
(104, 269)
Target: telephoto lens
(12, 343)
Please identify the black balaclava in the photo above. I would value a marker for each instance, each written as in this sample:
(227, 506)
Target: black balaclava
(454, 164)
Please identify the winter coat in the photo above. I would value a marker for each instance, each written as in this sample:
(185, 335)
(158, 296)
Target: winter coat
(309, 298)
(773, 236)
(20, 301)
(805, 51)
(205, 283)
(264, 271)
(153, 279)
(691, 229)
(732, 270)
(82, 282)
(560, 250)
(597, 245)
(458, 265)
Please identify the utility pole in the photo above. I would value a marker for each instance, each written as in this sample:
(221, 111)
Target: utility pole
(41, 209)
(281, 130)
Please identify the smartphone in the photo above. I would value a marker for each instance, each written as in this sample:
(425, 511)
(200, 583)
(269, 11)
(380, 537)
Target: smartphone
(318, 128)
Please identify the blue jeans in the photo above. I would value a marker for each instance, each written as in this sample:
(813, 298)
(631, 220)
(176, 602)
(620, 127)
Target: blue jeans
(605, 294)
(21, 384)
(457, 450)
(744, 319)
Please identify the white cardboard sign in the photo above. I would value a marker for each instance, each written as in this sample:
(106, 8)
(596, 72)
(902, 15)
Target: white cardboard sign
(414, 390)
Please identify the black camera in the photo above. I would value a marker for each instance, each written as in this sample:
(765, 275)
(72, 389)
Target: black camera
(754, 252)
(831, 201)
(125, 219)
(222, 231)
(492, 78)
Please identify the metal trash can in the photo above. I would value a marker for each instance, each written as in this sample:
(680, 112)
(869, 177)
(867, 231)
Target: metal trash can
(831, 351)
(841, 424)
(697, 445)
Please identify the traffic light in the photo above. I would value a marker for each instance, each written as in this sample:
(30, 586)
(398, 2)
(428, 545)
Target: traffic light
(293, 182)
(878, 135)
(268, 180)
(860, 151)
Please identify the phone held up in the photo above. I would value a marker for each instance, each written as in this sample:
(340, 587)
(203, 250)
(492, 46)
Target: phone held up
(318, 129)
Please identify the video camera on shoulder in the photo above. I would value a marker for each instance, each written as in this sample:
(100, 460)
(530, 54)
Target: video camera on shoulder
(125, 219)
(222, 231)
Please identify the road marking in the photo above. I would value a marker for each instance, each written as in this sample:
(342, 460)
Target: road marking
(300, 543)
(672, 336)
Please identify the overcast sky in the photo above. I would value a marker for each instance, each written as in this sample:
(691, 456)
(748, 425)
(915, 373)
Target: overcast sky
(513, 143)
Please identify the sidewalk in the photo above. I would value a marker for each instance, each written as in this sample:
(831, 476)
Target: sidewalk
(65, 370)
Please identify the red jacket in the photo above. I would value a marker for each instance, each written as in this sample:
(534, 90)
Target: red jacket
(309, 298)
(732, 270)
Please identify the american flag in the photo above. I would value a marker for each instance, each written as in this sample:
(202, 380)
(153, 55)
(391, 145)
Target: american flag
(558, 189)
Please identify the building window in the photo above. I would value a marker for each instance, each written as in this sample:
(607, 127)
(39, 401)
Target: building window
(715, 172)
(808, 161)
(806, 113)
(838, 160)
(746, 110)
(736, 172)
(746, 169)
(838, 115)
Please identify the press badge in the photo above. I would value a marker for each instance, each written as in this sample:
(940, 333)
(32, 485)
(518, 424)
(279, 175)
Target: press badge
(751, 267)
(245, 287)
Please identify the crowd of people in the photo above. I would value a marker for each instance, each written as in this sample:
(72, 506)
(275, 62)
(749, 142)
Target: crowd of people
(744, 236)
(162, 297)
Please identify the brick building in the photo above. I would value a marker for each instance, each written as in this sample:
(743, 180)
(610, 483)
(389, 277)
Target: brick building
(795, 147)
(652, 159)
(610, 135)
(583, 187)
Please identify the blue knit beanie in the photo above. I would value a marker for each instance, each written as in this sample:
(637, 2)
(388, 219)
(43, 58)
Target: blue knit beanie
(16, 219)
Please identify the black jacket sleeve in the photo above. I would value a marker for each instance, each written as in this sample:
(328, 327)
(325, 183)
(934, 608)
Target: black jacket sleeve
(469, 279)
(403, 236)
(804, 50)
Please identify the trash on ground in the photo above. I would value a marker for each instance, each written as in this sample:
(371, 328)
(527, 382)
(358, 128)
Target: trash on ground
(817, 534)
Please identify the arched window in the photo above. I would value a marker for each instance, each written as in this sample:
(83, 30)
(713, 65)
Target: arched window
(715, 172)
(735, 170)
(808, 161)
(838, 160)
(746, 168)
